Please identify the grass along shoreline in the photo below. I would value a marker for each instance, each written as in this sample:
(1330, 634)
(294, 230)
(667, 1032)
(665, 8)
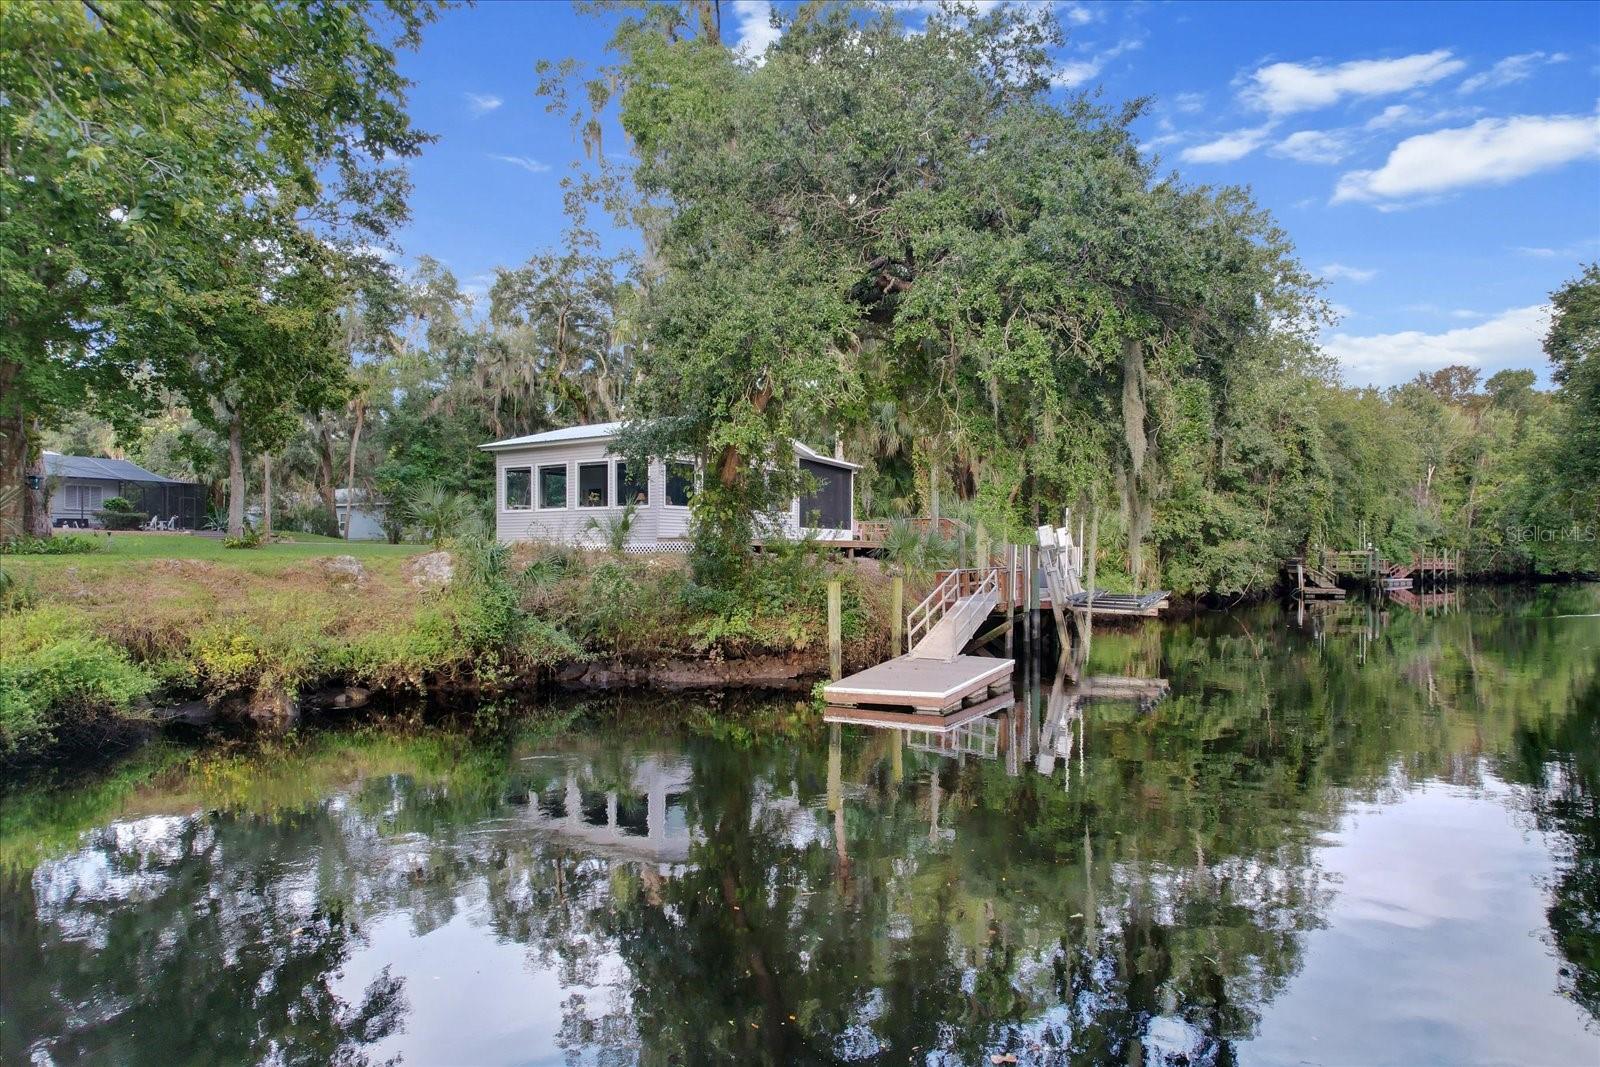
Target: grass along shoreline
(88, 640)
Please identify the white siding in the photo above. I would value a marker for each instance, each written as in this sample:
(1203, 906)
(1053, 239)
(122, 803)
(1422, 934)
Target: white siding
(653, 522)
(656, 523)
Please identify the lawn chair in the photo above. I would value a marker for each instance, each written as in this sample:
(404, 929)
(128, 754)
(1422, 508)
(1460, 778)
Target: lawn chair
(152, 523)
(171, 524)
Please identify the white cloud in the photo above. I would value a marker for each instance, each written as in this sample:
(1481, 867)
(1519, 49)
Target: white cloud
(1392, 116)
(527, 163)
(1284, 88)
(482, 103)
(1074, 72)
(1453, 313)
(1397, 115)
(1510, 339)
(1078, 15)
(1353, 274)
(1510, 70)
(1189, 103)
(1490, 151)
(756, 31)
(1583, 248)
(1312, 146)
(1228, 147)
(1151, 144)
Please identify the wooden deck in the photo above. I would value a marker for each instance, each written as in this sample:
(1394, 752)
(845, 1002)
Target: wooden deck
(924, 685)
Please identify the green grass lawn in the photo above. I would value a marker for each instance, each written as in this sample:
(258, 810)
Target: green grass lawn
(130, 547)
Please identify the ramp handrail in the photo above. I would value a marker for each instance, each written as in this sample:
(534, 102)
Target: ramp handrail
(952, 588)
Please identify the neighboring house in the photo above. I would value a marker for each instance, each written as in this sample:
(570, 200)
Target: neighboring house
(566, 485)
(80, 486)
(367, 516)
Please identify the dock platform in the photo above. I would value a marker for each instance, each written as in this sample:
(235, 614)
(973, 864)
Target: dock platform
(920, 684)
(919, 721)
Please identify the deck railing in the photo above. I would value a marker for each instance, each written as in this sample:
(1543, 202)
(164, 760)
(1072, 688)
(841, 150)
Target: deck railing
(876, 531)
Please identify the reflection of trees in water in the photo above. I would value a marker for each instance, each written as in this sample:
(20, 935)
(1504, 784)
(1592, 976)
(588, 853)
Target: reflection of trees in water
(1148, 911)
(1560, 760)
(189, 940)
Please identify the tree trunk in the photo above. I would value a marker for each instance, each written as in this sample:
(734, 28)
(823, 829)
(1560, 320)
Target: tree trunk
(730, 462)
(266, 495)
(324, 439)
(235, 475)
(19, 513)
(350, 478)
(1135, 489)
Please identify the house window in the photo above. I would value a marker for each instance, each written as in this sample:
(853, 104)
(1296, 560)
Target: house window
(553, 486)
(631, 489)
(680, 484)
(519, 488)
(593, 492)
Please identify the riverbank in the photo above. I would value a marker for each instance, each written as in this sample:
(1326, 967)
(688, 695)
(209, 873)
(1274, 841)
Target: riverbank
(97, 642)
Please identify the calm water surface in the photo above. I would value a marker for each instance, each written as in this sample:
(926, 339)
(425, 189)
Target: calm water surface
(1368, 836)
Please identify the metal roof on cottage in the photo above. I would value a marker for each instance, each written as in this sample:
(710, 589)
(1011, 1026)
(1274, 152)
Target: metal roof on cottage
(112, 470)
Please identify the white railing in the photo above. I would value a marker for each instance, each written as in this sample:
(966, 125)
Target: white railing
(952, 588)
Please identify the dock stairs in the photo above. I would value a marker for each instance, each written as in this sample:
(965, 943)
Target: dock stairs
(950, 616)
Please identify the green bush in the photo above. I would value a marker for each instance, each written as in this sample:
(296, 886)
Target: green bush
(117, 504)
(251, 538)
(121, 520)
(436, 513)
(614, 529)
(54, 674)
(65, 545)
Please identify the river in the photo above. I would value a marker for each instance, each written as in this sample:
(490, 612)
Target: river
(1369, 834)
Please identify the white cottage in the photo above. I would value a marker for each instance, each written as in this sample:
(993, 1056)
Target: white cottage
(566, 485)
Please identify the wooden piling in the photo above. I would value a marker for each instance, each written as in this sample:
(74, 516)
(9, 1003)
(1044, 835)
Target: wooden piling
(1033, 600)
(835, 630)
(1011, 596)
(897, 615)
(1093, 550)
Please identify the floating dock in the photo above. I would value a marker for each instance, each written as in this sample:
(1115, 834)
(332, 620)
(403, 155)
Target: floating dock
(914, 684)
(934, 684)
(921, 721)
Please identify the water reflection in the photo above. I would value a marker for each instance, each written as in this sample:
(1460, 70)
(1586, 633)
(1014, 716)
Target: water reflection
(1223, 840)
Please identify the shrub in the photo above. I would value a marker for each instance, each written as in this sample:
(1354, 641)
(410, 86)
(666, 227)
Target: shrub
(436, 512)
(118, 504)
(251, 538)
(121, 520)
(52, 673)
(65, 545)
(614, 529)
(917, 552)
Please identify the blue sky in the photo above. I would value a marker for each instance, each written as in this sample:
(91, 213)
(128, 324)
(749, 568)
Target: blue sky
(1438, 164)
